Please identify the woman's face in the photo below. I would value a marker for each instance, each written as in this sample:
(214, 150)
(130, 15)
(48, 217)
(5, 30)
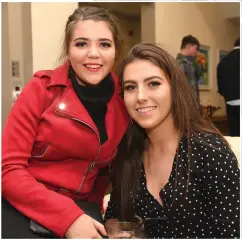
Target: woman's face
(92, 51)
(147, 94)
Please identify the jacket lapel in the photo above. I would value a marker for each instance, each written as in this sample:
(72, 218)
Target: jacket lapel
(70, 106)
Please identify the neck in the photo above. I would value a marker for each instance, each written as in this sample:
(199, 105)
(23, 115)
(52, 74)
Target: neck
(165, 137)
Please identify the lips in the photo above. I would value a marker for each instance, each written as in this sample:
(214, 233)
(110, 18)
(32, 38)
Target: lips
(93, 67)
(145, 109)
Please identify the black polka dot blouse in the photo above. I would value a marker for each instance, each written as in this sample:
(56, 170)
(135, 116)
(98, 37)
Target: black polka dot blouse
(206, 206)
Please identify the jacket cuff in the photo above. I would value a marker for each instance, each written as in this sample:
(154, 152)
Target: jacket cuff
(64, 225)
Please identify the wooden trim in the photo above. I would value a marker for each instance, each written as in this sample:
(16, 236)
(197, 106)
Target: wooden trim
(219, 118)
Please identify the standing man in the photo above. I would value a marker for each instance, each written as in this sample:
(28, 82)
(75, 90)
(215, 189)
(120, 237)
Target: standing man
(228, 78)
(189, 49)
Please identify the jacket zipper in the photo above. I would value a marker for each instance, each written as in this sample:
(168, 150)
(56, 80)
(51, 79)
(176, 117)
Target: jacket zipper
(92, 165)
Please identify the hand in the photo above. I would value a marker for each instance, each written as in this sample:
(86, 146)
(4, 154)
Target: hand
(85, 227)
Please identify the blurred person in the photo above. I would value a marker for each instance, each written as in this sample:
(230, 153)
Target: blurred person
(189, 48)
(228, 79)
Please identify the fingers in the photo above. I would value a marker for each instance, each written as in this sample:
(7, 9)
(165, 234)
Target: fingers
(100, 227)
(98, 236)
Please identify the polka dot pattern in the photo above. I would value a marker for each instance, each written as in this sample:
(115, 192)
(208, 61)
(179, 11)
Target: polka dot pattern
(204, 206)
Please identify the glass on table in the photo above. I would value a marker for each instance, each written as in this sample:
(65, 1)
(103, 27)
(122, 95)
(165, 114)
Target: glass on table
(124, 230)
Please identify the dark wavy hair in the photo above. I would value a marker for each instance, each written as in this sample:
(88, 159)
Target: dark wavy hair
(188, 119)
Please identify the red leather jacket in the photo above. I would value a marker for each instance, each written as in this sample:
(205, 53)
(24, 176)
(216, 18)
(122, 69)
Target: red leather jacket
(51, 152)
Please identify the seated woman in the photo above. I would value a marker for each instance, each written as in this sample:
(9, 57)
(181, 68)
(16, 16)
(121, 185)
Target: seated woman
(62, 134)
(173, 164)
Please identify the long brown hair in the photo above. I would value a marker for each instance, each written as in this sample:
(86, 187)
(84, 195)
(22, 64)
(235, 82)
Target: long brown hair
(188, 119)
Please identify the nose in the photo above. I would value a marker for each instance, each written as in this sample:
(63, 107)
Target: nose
(142, 95)
(93, 52)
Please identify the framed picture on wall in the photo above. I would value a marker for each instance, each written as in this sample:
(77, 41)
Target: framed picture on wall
(222, 54)
(203, 63)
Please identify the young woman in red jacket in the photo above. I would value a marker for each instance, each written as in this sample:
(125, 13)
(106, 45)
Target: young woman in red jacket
(62, 134)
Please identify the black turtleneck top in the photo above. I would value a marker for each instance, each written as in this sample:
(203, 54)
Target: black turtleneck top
(95, 99)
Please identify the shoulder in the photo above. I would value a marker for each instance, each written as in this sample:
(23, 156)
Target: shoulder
(37, 83)
(212, 149)
(42, 77)
(210, 142)
(183, 60)
(43, 80)
(57, 77)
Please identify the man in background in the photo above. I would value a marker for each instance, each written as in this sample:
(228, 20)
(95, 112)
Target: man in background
(189, 49)
(228, 79)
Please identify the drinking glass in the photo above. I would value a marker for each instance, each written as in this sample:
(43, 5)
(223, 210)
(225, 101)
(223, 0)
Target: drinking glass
(124, 230)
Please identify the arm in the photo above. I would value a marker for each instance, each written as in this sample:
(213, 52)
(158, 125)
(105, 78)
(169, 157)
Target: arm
(220, 81)
(222, 192)
(185, 68)
(52, 210)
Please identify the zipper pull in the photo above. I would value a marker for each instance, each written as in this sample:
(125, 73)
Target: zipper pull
(92, 166)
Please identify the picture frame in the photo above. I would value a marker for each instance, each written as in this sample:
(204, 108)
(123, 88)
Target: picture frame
(204, 81)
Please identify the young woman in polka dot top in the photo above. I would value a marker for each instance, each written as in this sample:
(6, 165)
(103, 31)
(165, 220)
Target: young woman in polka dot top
(173, 164)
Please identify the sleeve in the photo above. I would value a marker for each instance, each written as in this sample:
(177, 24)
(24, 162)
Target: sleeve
(112, 208)
(52, 210)
(185, 68)
(221, 183)
(219, 80)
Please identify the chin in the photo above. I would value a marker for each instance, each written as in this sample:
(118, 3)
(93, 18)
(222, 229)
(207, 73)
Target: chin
(93, 81)
(146, 124)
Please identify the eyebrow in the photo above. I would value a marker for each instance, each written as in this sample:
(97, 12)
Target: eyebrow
(87, 39)
(145, 80)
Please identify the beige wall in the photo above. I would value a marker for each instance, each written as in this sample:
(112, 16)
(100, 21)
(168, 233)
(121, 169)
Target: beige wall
(27, 42)
(131, 33)
(16, 45)
(48, 24)
(6, 81)
(148, 22)
(229, 10)
(203, 20)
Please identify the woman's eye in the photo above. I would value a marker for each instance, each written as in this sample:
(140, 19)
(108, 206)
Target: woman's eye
(80, 44)
(129, 88)
(154, 84)
(105, 44)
